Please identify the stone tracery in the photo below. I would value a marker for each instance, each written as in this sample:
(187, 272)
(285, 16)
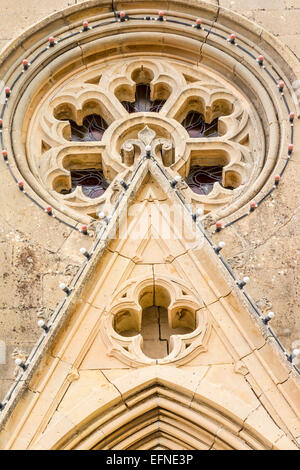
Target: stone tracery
(122, 324)
(214, 129)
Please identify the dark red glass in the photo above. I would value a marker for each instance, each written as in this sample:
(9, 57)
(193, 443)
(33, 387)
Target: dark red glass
(92, 129)
(92, 181)
(196, 126)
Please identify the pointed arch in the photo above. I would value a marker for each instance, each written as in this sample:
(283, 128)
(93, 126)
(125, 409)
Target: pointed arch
(154, 407)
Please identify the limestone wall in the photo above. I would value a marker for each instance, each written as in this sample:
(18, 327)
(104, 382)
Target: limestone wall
(37, 253)
(280, 17)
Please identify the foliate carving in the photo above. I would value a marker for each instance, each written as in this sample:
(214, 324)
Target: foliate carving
(54, 149)
(146, 136)
(125, 315)
(162, 148)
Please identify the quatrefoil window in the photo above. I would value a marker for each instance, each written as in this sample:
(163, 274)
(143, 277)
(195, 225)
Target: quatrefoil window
(157, 326)
(156, 329)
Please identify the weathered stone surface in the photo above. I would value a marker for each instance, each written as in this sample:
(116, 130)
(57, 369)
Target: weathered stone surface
(278, 17)
(232, 369)
(15, 18)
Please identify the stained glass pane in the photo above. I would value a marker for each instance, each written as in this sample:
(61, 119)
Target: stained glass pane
(92, 129)
(202, 178)
(142, 101)
(92, 181)
(196, 126)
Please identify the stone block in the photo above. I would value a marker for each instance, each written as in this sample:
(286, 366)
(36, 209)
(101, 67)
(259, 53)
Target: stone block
(220, 388)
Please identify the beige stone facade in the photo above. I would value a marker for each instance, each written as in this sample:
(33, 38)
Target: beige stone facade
(155, 327)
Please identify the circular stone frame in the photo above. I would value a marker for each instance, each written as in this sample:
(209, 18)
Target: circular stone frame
(176, 38)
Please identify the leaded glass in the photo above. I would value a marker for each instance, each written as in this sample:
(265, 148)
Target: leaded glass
(142, 101)
(196, 126)
(92, 129)
(92, 181)
(202, 178)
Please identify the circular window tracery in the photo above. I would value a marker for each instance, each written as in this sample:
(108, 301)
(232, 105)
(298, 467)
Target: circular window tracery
(169, 68)
(203, 123)
(92, 129)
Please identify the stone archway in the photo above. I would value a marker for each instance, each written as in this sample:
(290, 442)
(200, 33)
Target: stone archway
(164, 413)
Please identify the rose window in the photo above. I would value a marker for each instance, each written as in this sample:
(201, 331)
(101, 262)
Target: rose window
(91, 133)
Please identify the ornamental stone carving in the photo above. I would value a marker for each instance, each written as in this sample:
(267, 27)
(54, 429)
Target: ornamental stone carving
(91, 90)
(122, 324)
(93, 120)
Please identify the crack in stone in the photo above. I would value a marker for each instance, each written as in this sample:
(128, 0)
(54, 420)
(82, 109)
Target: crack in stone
(198, 383)
(122, 398)
(208, 33)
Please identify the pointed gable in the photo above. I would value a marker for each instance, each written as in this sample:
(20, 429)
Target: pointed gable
(88, 368)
